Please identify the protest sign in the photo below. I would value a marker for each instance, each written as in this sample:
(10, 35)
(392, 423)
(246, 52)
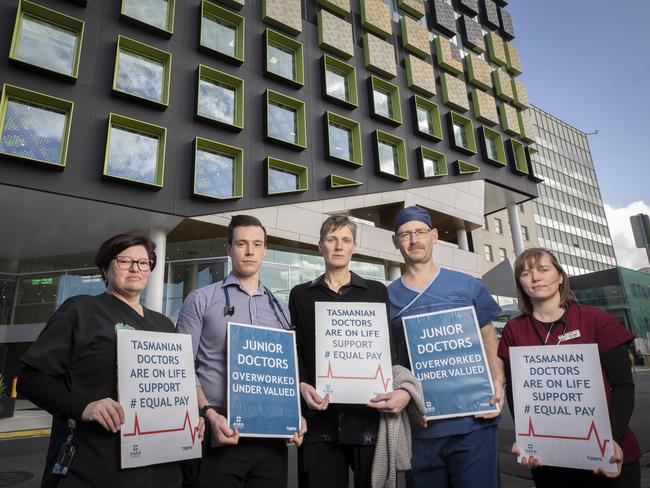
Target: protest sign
(561, 414)
(447, 355)
(263, 394)
(157, 389)
(353, 361)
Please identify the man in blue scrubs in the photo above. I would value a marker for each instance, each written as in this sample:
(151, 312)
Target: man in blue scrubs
(463, 451)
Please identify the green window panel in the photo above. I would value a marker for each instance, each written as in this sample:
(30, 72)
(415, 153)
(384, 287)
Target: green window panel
(135, 151)
(479, 72)
(339, 7)
(286, 15)
(222, 33)
(520, 94)
(34, 127)
(391, 156)
(412, 7)
(286, 121)
(445, 56)
(513, 59)
(339, 82)
(432, 163)
(376, 17)
(47, 41)
(420, 76)
(454, 92)
(220, 98)
(427, 118)
(379, 56)
(284, 58)
(415, 37)
(335, 34)
(236, 4)
(386, 103)
(496, 48)
(465, 168)
(492, 146)
(283, 177)
(142, 72)
(527, 127)
(518, 157)
(336, 181)
(343, 139)
(503, 85)
(156, 15)
(462, 133)
(218, 170)
(485, 107)
(509, 119)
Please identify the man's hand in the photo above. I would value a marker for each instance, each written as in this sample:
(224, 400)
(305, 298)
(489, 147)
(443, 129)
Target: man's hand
(222, 433)
(312, 398)
(616, 458)
(200, 428)
(298, 437)
(530, 461)
(497, 399)
(106, 412)
(393, 402)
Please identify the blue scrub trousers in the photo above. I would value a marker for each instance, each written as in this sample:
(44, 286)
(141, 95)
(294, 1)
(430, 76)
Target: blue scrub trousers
(461, 461)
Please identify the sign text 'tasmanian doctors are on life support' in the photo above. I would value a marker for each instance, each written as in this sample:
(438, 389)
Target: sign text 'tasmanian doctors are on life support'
(353, 361)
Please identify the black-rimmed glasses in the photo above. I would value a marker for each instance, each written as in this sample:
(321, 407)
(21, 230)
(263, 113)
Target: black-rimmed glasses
(124, 262)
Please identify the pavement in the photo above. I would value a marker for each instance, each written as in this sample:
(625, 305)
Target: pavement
(24, 438)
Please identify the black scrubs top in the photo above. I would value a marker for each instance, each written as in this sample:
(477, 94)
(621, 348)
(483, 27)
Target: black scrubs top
(74, 362)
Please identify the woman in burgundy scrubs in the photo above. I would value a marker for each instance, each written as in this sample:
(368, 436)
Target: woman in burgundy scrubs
(550, 315)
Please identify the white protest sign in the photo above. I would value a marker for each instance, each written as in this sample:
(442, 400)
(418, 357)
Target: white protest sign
(353, 361)
(157, 389)
(561, 414)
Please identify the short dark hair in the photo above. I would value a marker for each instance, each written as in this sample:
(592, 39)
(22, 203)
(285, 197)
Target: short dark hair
(529, 258)
(334, 222)
(112, 246)
(243, 221)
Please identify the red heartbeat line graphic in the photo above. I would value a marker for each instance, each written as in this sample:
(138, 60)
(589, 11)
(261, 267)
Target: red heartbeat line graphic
(378, 372)
(592, 429)
(186, 422)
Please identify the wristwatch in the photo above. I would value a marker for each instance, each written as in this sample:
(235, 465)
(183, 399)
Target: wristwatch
(204, 410)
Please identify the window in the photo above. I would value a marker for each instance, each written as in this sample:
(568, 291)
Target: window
(391, 156)
(220, 98)
(518, 156)
(285, 120)
(222, 32)
(142, 71)
(488, 252)
(336, 181)
(135, 151)
(492, 144)
(218, 170)
(432, 163)
(462, 133)
(385, 101)
(339, 81)
(498, 226)
(34, 126)
(521, 208)
(284, 58)
(502, 254)
(524, 233)
(47, 40)
(158, 14)
(284, 177)
(343, 139)
(485, 223)
(427, 118)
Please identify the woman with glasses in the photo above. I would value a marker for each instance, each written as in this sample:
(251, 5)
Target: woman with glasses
(550, 316)
(71, 371)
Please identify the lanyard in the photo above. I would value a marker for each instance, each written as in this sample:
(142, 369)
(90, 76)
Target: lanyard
(274, 303)
(544, 341)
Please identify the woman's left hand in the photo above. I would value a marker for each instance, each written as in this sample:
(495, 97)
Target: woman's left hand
(616, 458)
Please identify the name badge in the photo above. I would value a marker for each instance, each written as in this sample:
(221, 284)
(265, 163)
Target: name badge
(574, 334)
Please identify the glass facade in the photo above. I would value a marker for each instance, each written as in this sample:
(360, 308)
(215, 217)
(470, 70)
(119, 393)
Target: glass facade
(132, 155)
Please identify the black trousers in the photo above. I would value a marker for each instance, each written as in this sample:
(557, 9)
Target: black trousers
(554, 477)
(327, 465)
(253, 463)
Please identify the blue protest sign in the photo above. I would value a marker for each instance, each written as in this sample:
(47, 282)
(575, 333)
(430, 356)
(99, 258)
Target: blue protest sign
(263, 398)
(448, 357)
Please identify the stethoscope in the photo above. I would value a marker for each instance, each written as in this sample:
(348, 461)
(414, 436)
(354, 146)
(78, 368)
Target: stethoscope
(274, 303)
(544, 341)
